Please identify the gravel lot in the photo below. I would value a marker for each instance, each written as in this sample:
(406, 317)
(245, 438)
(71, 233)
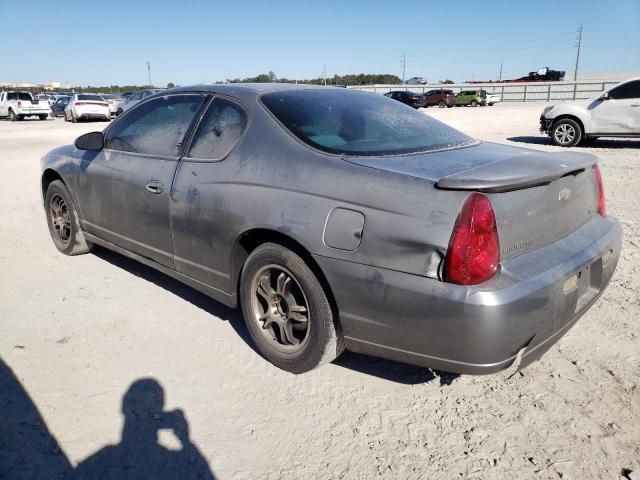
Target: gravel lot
(77, 332)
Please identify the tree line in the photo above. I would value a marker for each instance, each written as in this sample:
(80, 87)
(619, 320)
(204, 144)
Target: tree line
(351, 79)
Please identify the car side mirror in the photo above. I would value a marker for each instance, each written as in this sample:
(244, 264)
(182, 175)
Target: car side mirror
(90, 141)
(605, 96)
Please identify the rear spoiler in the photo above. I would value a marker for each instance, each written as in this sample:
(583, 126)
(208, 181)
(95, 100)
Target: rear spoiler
(515, 173)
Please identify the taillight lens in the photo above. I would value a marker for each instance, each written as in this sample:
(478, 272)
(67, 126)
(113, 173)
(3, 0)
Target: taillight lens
(602, 209)
(19, 103)
(474, 250)
(104, 104)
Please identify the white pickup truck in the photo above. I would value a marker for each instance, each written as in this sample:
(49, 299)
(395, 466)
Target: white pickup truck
(17, 105)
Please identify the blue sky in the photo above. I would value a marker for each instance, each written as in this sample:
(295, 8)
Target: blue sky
(108, 42)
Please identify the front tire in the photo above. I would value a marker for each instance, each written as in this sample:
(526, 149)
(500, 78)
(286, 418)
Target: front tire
(442, 104)
(566, 133)
(286, 310)
(63, 222)
(474, 103)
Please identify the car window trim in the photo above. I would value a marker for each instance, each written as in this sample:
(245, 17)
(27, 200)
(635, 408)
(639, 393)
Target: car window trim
(234, 100)
(181, 150)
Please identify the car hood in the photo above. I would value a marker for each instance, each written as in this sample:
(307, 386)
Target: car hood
(486, 166)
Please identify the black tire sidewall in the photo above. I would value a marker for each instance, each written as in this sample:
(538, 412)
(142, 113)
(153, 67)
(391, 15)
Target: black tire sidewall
(320, 312)
(58, 187)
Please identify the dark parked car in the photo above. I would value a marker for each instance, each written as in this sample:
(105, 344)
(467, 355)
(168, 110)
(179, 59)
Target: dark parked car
(412, 99)
(57, 109)
(342, 219)
(442, 98)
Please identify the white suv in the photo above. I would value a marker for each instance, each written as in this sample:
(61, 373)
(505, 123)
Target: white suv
(614, 113)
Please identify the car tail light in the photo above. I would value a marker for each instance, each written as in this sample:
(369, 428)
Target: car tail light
(474, 250)
(104, 104)
(19, 103)
(602, 209)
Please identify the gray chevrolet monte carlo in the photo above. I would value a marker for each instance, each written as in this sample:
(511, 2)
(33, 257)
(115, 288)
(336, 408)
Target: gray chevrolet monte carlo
(342, 219)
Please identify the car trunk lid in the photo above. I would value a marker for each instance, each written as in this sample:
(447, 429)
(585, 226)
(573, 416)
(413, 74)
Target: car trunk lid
(538, 197)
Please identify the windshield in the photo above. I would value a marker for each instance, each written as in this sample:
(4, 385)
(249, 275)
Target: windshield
(359, 123)
(95, 98)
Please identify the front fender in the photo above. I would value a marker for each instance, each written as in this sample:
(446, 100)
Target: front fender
(62, 161)
(578, 111)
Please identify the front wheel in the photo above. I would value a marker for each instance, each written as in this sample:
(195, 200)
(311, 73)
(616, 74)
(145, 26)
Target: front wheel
(442, 104)
(566, 133)
(63, 222)
(474, 103)
(287, 311)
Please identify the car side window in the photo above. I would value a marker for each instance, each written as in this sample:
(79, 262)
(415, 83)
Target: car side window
(628, 90)
(155, 127)
(219, 131)
(135, 96)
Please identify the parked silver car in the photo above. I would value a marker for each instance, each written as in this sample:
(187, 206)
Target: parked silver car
(135, 98)
(343, 219)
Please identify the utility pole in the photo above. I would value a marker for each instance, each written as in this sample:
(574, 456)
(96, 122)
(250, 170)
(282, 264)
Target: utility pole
(404, 66)
(149, 72)
(324, 75)
(500, 76)
(579, 39)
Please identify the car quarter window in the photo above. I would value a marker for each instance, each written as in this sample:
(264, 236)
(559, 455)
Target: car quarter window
(155, 127)
(627, 90)
(219, 131)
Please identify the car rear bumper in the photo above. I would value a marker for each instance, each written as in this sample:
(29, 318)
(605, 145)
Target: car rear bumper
(478, 329)
(34, 111)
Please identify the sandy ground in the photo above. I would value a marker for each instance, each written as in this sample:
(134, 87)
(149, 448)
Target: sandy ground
(77, 332)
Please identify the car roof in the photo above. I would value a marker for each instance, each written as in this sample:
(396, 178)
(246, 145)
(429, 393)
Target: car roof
(249, 89)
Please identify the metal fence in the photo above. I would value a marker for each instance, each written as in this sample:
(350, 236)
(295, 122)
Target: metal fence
(511, 92)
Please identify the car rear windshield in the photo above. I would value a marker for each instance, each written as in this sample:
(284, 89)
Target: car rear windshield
(359, 123)
(94, 98)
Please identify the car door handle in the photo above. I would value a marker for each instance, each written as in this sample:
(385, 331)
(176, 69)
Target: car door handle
(155, 187)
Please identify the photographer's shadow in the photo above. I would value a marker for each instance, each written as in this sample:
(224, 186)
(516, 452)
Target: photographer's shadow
(139, 454)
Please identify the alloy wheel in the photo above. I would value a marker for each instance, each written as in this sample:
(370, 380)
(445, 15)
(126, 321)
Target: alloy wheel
(60, 218)
(565, 133)
(280, 308)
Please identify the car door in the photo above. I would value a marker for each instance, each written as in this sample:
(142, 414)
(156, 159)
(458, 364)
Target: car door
(619, 113)
(125, 189)
(3, 105)
(202, 221)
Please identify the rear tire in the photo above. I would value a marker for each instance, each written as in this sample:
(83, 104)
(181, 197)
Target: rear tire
(73, 118)
(474, 103)
(12, 116)
(442, 104)
(63, 221)
(286, 310)
(566, 132)
(43, 117)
